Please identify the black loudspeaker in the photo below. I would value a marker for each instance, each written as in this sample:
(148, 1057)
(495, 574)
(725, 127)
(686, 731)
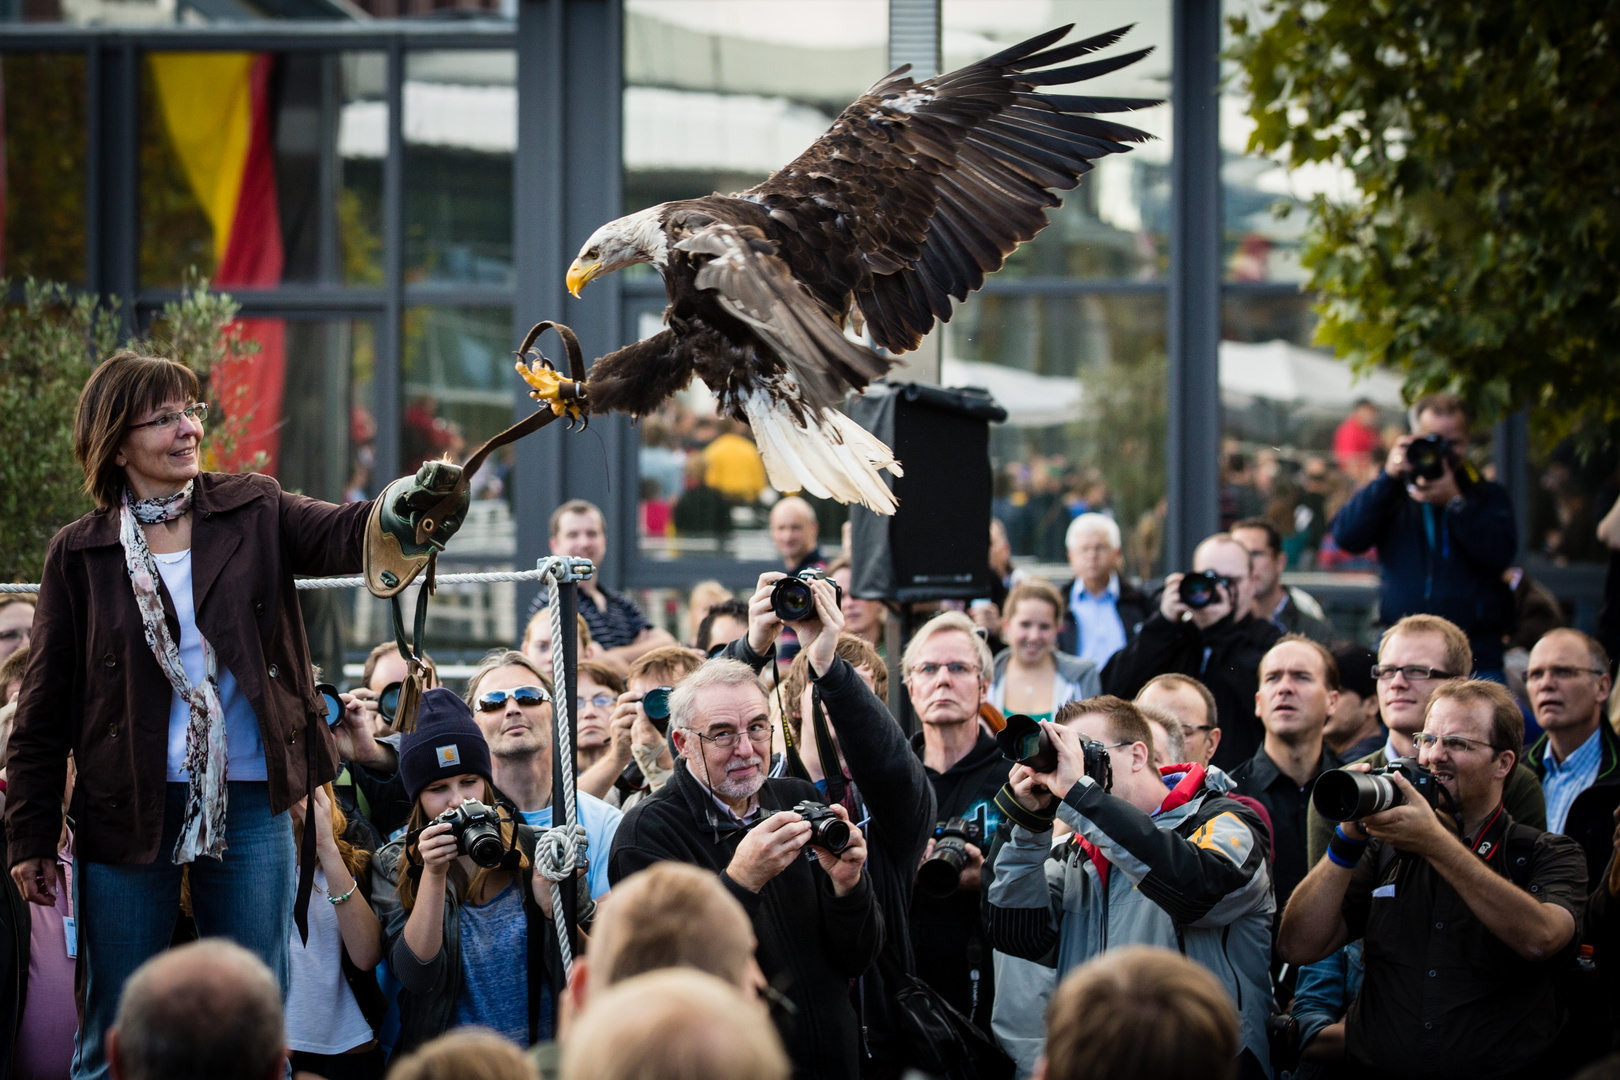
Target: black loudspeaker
(937, 544)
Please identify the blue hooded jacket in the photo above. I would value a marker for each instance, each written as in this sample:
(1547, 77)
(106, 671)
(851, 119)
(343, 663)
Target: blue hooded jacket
(1439, 560)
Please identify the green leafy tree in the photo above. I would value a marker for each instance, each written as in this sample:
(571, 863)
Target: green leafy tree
(1482, 256)
(49, 345)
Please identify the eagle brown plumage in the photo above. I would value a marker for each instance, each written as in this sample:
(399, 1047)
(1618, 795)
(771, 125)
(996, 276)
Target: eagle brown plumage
(917, 191)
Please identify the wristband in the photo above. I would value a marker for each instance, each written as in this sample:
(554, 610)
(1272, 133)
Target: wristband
(1344, 851)
(1036, 821)
(336, 900)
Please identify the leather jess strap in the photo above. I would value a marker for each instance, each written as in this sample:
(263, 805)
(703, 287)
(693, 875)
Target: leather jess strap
(427, 524)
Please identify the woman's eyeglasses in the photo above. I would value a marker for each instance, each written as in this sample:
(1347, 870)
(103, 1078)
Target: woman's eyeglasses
(600, 701)
(166, 422)
(526, 696)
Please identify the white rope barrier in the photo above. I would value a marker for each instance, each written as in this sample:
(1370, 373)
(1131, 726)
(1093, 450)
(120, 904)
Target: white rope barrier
(357, 582)
(563, 846)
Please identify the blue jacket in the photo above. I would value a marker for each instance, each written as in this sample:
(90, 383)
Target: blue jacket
(1437, 560)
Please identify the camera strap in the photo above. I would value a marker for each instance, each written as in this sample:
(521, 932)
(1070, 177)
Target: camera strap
(831, 770)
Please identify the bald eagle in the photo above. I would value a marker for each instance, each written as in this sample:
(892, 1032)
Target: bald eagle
(916, 192)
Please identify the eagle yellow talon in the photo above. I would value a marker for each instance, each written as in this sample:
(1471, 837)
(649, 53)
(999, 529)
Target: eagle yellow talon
(549, 388)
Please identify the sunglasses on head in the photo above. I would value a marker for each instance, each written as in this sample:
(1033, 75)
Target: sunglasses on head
(523, 695)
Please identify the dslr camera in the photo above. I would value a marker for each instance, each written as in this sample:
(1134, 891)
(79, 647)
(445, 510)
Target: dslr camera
(1346, 795)
(939, 875)
(477, 829)
(1026, 742)
(792, 600)
(1427, 458)
(1201, 588)
(827, 829)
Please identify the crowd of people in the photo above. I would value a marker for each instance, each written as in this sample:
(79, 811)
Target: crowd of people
(1142, 828)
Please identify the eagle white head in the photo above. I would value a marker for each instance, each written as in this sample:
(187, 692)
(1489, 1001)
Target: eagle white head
(636, 238)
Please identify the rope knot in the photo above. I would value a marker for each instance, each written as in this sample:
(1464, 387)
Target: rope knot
(557, 851)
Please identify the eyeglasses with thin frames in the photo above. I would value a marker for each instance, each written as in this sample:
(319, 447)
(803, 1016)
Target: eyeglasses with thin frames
(197, 413)
(1454, 744)
(759, 732)
(1561, 674)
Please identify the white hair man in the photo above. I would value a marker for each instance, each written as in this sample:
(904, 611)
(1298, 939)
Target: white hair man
(1104, 610)
(817, 919)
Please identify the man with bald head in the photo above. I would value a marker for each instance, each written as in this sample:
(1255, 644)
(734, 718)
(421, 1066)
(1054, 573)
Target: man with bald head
(1219, 643)
(210, 1008)
(1577, 757)
(794, 531)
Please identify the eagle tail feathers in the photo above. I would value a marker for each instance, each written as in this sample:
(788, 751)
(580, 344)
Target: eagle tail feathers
(831, 457)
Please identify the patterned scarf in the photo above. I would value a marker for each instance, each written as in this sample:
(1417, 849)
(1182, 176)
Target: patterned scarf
(202, 831)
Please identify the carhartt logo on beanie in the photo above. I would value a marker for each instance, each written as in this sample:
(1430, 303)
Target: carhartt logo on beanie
(446, 743)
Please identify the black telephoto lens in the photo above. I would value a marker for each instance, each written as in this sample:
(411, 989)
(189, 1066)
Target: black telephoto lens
(1024, 740)
(1341, 795)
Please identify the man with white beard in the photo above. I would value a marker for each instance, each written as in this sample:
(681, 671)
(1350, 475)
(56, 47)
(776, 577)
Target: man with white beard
(813, 908)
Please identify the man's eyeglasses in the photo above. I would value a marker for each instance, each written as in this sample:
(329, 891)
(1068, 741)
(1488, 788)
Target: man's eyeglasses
(1412, 672)
(1561, 674)
(600, 701)
(956, 671)
(759, 732)
(166, 422)
(1454, 744)
(526, 696)
(1188, 729)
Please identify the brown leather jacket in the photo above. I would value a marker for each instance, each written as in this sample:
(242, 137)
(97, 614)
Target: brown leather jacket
(94, 688)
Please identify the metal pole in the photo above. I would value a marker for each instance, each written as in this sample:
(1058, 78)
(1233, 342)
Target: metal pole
(1193, 431)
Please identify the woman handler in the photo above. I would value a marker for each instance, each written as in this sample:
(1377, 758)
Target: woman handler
(169, 659)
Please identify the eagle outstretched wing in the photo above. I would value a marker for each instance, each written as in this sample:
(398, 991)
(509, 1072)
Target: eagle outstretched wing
(938, 181)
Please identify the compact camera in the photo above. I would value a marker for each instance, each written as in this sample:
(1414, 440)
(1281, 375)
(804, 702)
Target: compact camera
(939, 875)
(792, 599)
(1201, 588)
(1026, 742)
(1347, 795)
(827, 829)
(477, 829)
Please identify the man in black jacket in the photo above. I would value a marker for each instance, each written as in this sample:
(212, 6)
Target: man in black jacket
(947, 669)
(1577, 757)
(888, 783)
(1220, 644)
(817, 920)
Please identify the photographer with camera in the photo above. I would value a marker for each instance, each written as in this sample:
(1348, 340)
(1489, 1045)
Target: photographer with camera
(1158, 858)
(637, 761)
(817, 919)
(947, 670)
(1444, 535)
(1205, 629)
(1465, 914)
(458, 899)
(1416, 657)
(867, 766)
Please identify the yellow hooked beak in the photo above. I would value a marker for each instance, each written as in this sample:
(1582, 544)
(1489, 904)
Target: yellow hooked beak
(579, 274)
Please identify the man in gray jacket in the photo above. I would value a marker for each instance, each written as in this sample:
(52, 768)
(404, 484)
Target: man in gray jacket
(1157, 859)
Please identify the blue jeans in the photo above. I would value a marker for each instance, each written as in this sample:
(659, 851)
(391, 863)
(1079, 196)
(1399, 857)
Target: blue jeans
(127, 911)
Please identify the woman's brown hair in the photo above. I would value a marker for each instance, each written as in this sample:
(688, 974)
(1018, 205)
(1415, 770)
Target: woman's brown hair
(356, 859)
(121, 389)
(418, 821)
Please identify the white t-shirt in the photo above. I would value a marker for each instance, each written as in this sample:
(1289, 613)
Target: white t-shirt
(322, 1015)
(243, 747)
